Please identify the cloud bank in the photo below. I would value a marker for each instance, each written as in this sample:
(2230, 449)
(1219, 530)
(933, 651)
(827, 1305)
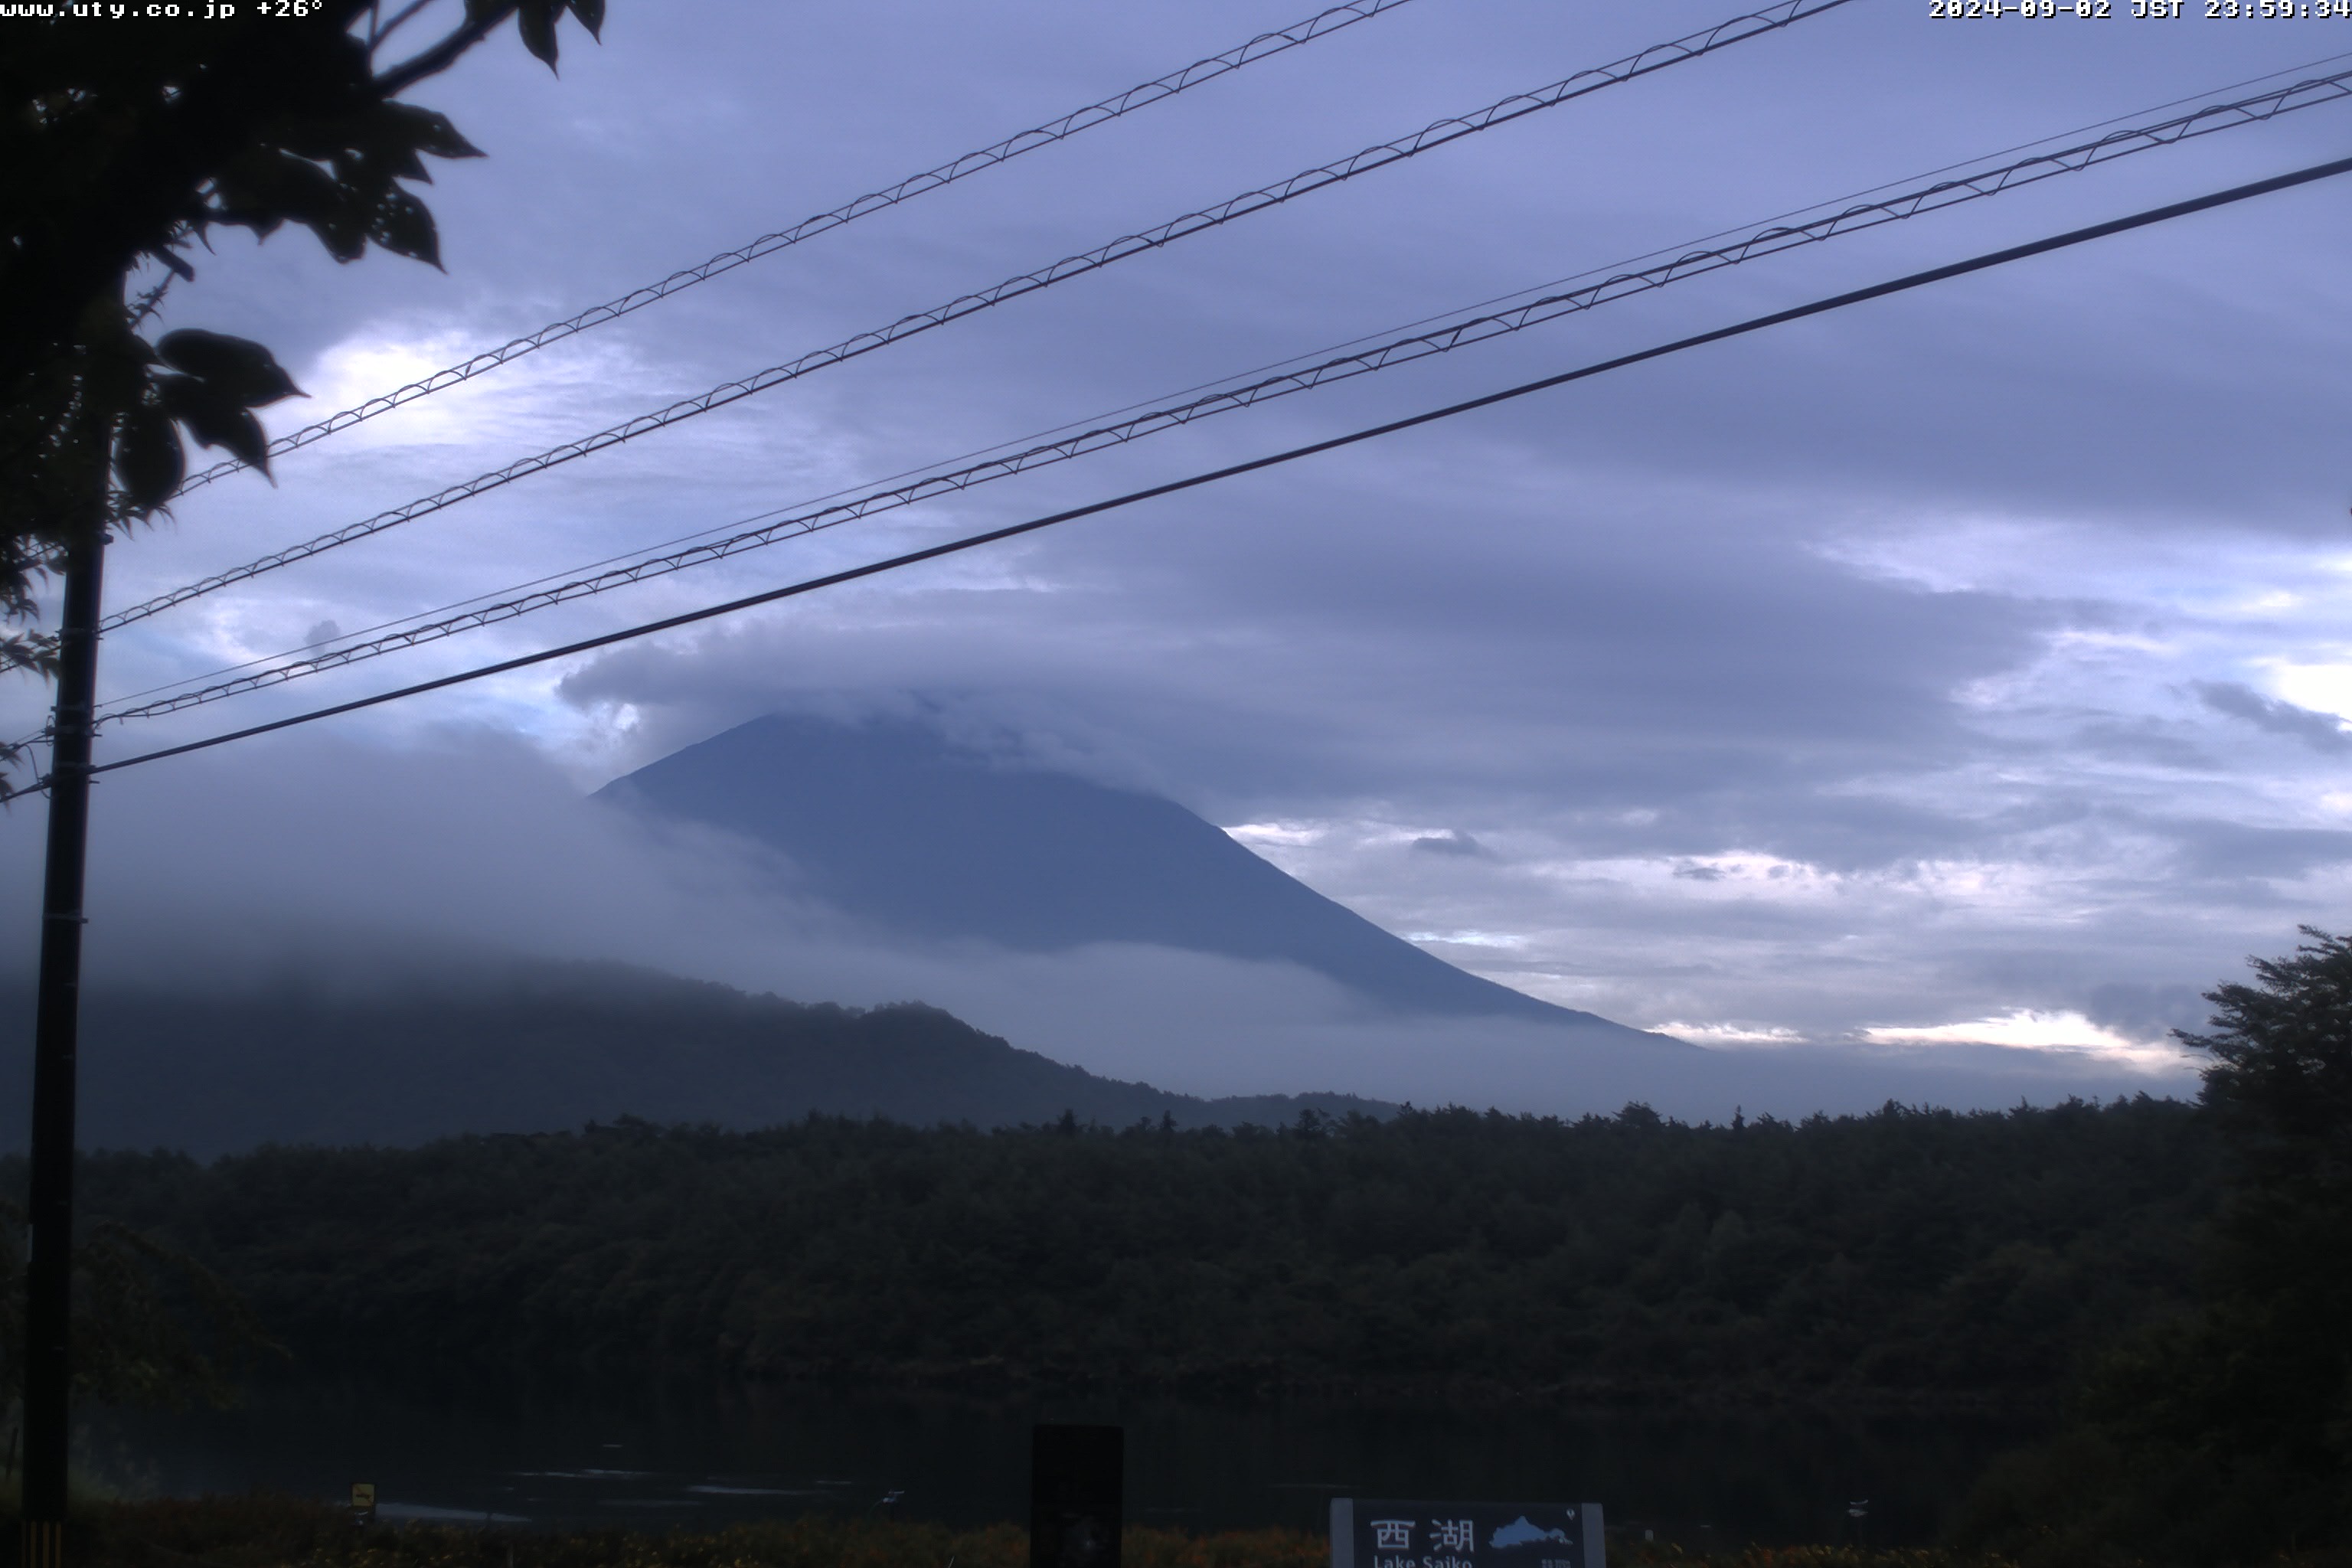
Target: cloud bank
(348, 860)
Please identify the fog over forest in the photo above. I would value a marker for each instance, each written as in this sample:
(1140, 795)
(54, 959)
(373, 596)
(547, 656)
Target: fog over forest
(354, 869)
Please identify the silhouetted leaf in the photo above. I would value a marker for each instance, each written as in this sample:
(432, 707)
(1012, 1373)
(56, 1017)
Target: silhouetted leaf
(401, 160)
(245, 436)
(592, 17)
(428, 131)
(214, 418)
(243, 369)
(342, 229)
(147, 457)
(266, 187)
(403, 227)
(536, 19)
(318, 140)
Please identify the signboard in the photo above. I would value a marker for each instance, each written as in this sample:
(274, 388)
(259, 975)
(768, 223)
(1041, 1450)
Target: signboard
(1371, 1532)
(363, 1497)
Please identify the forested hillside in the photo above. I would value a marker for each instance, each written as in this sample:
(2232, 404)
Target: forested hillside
(506, 1044)
(1905, 1256)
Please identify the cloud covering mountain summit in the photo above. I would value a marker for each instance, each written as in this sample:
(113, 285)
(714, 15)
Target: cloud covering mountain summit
(889, 822)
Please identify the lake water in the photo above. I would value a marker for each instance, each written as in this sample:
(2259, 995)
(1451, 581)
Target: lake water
(716, 1454)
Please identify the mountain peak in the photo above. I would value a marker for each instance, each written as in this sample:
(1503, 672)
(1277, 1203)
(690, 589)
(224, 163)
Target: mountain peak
(893, 824)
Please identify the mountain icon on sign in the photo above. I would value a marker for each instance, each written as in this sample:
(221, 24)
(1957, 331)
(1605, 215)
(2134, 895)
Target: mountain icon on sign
(1519, 1532)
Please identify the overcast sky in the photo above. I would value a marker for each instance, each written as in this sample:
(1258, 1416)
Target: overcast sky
(1963, 667)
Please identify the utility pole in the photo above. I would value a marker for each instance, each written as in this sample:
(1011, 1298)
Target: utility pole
(49, 1272)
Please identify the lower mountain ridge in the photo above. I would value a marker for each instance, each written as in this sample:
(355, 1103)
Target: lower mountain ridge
(528, 1046)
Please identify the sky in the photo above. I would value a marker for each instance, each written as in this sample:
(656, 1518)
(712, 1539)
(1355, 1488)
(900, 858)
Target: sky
(1958, 677)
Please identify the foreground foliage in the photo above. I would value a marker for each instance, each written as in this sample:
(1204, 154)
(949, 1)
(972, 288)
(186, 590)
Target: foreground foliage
(122, 150)
(1903, 1255)
(261, 1532)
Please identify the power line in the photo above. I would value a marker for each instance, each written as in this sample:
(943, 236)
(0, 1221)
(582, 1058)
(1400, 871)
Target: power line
(1157, 90)
(1756, 323)
(1656, 57)
(2207, 117)
(1012, 443)
(1455, 334)
(1607, 268)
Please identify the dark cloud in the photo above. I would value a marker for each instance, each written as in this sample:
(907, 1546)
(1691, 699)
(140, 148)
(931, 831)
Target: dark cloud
(2149, 1012)
(2321, 732)
(2233, 850)
(1722, 679)
(1450, 842)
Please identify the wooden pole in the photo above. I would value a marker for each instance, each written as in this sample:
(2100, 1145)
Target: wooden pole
(49, 1274)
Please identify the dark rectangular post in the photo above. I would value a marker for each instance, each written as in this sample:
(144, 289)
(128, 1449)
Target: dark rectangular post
(48, 1269)
(1076, 1497)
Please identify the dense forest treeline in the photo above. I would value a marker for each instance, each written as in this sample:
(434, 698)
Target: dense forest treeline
(2223, 1434)
(1903, 1255)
